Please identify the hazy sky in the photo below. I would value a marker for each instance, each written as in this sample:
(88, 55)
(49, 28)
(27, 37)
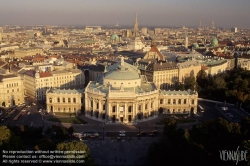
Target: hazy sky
(224, 13)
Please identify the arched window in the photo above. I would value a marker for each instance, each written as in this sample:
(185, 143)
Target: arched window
(58, 100)
(74, 100)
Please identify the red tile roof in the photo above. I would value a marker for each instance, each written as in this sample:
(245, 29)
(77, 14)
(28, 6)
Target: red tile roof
(45, 74)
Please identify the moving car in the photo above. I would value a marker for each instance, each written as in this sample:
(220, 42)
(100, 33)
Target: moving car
(122, 131)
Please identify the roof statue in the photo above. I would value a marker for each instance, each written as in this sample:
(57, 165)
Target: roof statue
(122, 60)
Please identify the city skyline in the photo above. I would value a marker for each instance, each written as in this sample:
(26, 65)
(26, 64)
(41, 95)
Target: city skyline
(224, 13)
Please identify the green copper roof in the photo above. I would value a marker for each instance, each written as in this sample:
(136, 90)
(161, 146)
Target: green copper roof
(122, 73)
(114, 37)
(214, 42)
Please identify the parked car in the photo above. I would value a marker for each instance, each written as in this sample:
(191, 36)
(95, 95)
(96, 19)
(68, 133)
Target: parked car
(229, 115)
(122, 135)
(152, 134)
(154, 131)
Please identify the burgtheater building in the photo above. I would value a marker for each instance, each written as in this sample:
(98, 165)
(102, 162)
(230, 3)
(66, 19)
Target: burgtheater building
(122, 94)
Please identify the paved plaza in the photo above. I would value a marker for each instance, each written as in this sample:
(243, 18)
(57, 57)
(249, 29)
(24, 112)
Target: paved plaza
(127, 151)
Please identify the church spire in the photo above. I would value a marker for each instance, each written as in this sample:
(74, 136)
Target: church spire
(136, 29)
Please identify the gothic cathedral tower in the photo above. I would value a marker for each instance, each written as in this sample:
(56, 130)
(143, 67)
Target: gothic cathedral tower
(136, 29)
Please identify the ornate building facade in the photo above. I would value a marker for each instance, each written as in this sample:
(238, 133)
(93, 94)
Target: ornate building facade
(11, 90)
(36, 83)
(124, 95)
(61, 100)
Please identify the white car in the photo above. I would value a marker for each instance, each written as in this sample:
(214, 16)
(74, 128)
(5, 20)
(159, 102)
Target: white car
(229, 115)
(122, 132)
(122, 135)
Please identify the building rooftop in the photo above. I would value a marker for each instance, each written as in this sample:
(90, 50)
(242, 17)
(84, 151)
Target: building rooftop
(66, 91)
(163, 92)
(6, 76)
(95, 87)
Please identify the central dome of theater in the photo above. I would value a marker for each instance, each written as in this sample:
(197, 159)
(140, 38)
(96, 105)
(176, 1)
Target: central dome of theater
(122, 73)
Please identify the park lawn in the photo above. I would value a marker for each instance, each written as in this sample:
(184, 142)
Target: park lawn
(65, 114)
(178, 121)
(74, 120)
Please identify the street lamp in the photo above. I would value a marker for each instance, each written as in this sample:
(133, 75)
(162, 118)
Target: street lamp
(42, 120)
(103, 130)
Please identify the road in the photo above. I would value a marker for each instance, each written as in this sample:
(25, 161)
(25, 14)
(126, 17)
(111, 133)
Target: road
(37, 119)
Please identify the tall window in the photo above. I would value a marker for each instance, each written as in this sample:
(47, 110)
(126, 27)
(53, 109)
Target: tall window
(63, 100)
(129, 108)
(103, 107)
(113, 108)
(139, 107)
(174, 101)
(58, 100)
(169, 101)
(74, 100)
(97, 105)
(146, 106)
(69, 100)
(50, 100)
(179, 102)
(185, 101)
(193, 101)
(161, 101)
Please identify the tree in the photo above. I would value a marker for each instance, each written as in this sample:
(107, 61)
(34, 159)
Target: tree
(219, 83)
(170, 127)
(76, 146)
(45, 144)
(8, 140)
(245, 145)
(71, 130)
(190, 83)
(202, 79)
(179, 86)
